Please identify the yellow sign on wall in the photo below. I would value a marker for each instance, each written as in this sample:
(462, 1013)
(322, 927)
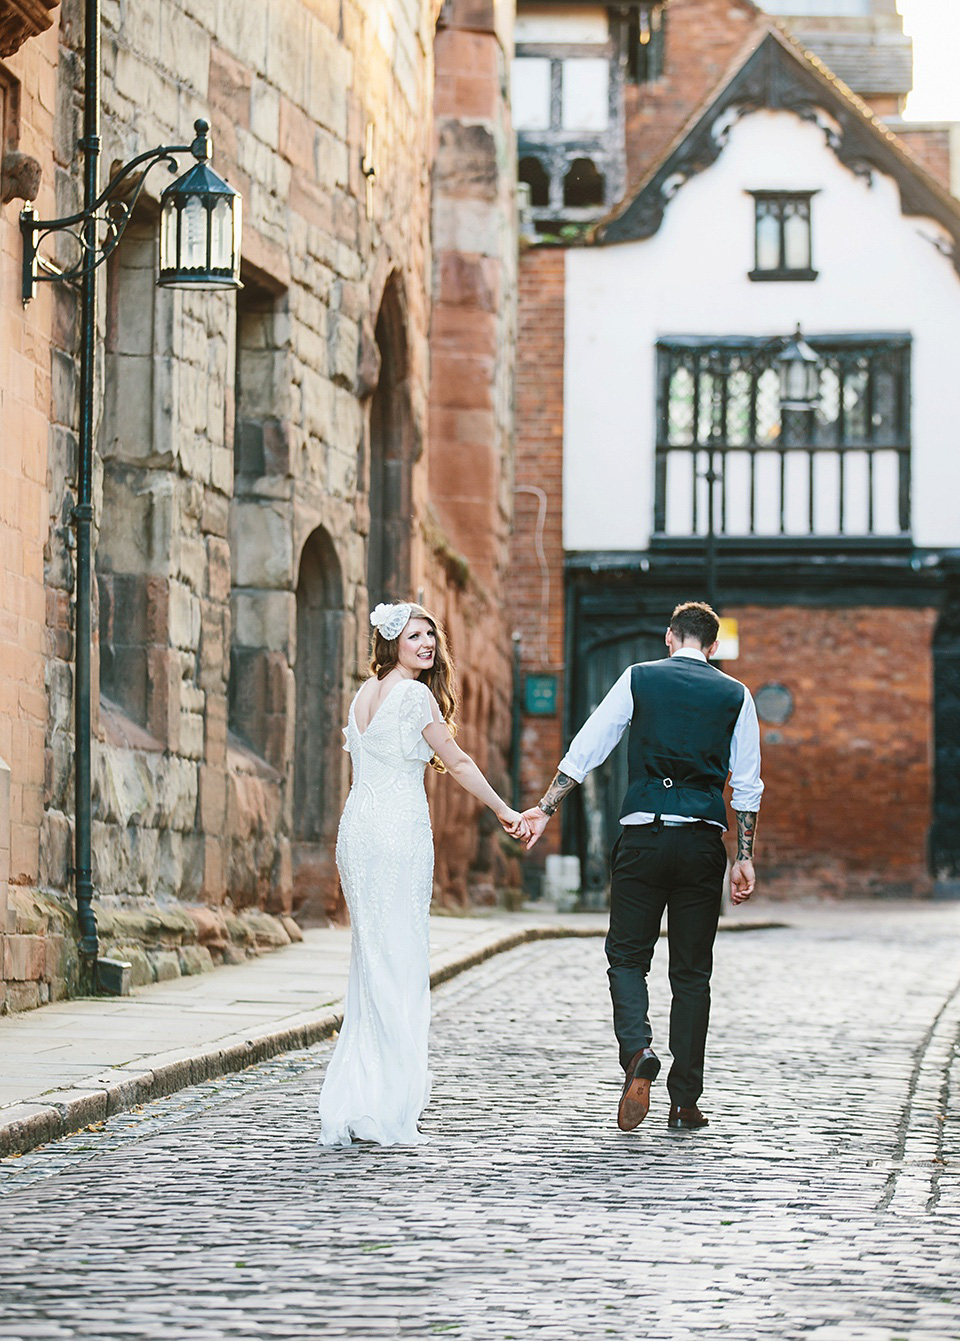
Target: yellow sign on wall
(729, 638)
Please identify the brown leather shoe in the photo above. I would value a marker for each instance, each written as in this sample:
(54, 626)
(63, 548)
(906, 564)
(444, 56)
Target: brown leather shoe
(643, 1067)
(689, 1118)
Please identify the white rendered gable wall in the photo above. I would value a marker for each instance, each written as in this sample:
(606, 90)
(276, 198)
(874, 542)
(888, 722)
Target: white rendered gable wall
(878, 272)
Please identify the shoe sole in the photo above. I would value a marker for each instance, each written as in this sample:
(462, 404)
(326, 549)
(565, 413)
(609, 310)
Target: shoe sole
(634, 1103)
(677, 1125)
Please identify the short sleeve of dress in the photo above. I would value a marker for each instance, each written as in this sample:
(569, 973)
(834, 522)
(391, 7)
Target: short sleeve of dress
(417, 711)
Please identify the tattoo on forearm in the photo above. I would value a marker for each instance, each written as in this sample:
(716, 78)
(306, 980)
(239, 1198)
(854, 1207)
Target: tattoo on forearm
(555, 793)
(746, 832)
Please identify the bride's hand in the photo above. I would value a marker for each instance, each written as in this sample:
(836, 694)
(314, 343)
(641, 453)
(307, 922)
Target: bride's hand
(514, 824)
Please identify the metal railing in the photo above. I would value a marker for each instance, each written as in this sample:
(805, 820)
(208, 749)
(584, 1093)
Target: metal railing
(841, 470)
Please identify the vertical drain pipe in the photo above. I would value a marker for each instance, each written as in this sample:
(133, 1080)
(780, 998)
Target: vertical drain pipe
(83, 512)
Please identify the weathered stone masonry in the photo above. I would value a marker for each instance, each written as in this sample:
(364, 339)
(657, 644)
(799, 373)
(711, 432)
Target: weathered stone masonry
(267, 461)
(32, 944)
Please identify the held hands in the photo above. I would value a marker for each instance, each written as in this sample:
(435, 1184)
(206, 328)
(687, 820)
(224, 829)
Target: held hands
(526, 828)
(536, 822)
(514, 824)
(742, 880)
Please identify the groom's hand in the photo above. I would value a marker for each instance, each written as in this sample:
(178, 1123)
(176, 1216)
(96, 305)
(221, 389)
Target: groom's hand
(743, 879)
(536, 822)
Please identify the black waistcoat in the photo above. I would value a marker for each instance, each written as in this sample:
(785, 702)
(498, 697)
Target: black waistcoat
(684, 714)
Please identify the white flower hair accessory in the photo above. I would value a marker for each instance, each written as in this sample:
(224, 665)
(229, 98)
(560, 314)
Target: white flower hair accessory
(391, 620)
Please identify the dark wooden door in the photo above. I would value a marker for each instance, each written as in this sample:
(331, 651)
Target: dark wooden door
(602, 660)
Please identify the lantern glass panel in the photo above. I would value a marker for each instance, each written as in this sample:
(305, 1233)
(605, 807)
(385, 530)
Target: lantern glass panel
(168, 236)
(193, 235)
(221, 236)
(237, 232)
(799, 381)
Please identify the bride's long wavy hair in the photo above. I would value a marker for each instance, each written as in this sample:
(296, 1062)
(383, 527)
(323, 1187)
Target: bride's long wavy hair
(440, 679)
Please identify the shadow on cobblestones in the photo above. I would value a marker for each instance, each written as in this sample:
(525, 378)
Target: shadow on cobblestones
(821, 1202)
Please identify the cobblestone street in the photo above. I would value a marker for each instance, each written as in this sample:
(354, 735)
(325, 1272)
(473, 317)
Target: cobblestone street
(823, 1201)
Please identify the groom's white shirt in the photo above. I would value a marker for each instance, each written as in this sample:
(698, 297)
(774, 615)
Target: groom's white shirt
(603, 729)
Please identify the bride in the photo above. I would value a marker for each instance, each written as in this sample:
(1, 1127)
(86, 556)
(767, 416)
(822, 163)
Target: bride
(402, 718)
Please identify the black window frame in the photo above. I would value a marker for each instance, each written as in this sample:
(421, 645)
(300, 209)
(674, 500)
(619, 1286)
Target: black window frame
(763, 200)
(644, 61)
(861, 356)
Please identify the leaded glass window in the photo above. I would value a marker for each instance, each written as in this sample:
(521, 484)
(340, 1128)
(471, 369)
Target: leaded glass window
(783, 236)
(841, 469)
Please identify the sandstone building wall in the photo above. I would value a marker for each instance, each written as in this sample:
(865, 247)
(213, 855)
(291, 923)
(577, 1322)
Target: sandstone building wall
(30, 970)
(471, 422)
(267, 460)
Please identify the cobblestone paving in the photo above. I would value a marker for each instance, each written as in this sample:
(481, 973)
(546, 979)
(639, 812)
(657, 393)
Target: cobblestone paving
(823, 1201)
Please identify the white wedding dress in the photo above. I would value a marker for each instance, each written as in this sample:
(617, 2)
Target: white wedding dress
(377, 1083)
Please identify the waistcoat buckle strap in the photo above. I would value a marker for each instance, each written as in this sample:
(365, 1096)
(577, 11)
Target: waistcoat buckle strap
(668, 782)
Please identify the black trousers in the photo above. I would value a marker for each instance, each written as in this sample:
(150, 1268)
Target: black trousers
(681, 869)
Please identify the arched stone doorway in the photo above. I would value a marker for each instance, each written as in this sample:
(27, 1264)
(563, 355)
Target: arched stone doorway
(317, 756)
(391, 505)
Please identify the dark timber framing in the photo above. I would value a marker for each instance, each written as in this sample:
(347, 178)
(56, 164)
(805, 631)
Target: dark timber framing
(780, 76)
(721, 415)
(556, 148)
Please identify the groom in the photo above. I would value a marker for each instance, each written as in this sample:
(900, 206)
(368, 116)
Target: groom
(690, 726)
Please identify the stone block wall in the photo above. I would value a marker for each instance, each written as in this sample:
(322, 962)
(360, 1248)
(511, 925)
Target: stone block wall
(27, 106)
(233, 429)
(239, 440)
(470, 445)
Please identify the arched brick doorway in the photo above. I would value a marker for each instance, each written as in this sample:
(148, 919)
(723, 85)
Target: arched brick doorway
(317, 756)
(391, 457)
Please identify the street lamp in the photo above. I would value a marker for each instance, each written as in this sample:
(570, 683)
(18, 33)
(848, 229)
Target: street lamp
(200, 230)
(799, 374)
(202, 250)
(199, 234)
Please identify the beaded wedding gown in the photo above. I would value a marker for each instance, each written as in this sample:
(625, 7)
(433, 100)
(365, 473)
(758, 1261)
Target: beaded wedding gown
(377, 1082)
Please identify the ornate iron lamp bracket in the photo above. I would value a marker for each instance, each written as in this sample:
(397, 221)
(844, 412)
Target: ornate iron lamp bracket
(98, 230)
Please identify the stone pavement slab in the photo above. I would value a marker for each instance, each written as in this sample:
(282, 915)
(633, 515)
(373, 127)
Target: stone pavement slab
(822, 1202)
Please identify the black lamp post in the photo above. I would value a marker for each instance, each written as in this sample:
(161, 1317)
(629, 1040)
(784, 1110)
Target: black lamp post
(199, 248)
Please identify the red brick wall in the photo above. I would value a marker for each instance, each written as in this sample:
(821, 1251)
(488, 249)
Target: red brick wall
(539, 465)
(848, 777)
(702, 40)
(932, 147)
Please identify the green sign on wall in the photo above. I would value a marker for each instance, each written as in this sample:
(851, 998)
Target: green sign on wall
(540, 695)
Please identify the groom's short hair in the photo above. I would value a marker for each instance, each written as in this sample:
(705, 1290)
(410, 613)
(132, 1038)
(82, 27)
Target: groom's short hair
(695, 619)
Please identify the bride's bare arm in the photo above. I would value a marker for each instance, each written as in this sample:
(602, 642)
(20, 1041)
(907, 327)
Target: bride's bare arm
(461, 767)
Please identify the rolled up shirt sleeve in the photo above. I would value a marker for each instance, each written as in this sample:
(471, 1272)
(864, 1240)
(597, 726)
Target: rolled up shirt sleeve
(745, 758)
(601, 731)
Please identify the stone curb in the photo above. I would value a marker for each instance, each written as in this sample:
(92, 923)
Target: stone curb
(25, 1126)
